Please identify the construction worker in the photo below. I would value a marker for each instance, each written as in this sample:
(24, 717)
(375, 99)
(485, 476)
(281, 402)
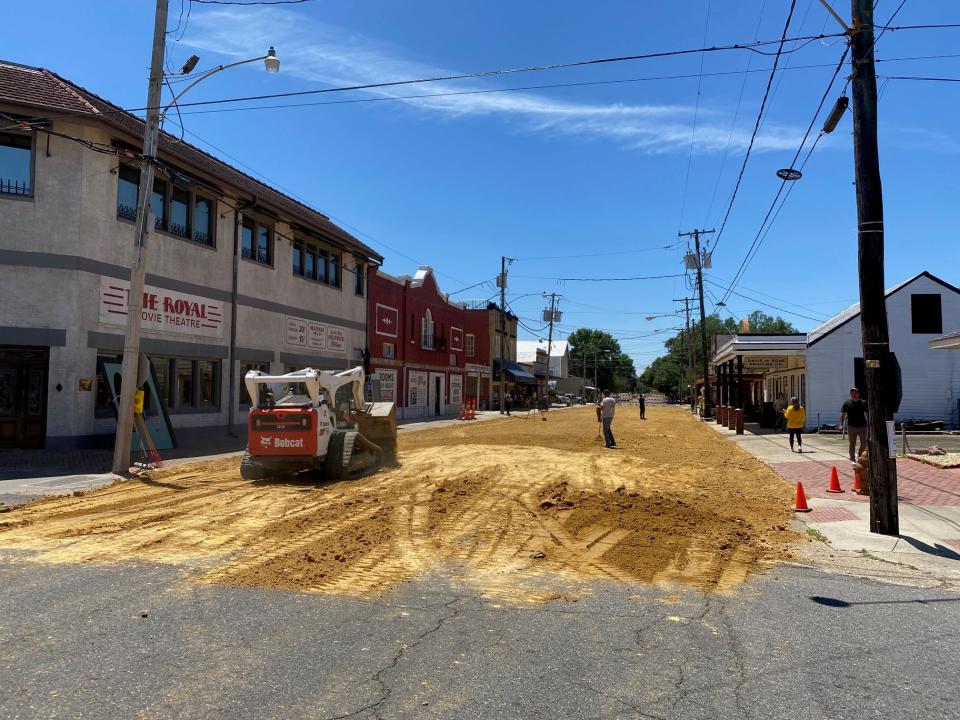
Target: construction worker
(608, 407)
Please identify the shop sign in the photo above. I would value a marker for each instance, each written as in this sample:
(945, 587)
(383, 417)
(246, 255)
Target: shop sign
(764, 363)
(316, 336)
(456, 389)
(417, 389)
(483, 370)
(162, 310)
(456, 339)
(388, 384)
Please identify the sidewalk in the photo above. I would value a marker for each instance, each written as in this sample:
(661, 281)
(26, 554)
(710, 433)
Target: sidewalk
(929, 500)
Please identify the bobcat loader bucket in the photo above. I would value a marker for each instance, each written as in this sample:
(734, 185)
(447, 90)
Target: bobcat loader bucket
(378, 424)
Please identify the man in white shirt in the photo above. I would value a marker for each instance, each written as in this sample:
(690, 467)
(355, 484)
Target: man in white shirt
(608, 407)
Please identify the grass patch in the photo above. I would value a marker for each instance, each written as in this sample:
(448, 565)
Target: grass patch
(867, 554)
(817, 535)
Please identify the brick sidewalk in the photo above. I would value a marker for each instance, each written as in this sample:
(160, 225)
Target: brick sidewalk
(917, 484)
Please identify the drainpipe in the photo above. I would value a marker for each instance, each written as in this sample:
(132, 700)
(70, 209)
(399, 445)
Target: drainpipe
(231, 362)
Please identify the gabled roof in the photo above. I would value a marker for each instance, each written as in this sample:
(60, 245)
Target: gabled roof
(853, 312)
(30, 89)
(527, 349)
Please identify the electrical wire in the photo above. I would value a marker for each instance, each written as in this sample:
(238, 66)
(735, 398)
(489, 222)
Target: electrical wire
(766, 304)
(610, 279)
(917, 77)
(693, 131)
(756, 127)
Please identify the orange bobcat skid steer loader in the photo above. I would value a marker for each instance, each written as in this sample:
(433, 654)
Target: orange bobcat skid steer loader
(316, 420)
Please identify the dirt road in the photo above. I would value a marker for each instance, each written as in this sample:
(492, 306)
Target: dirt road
(520, 508)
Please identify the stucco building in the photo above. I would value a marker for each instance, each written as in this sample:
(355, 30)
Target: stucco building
(239, 275)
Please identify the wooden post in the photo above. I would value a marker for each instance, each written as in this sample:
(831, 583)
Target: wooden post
(884, 516)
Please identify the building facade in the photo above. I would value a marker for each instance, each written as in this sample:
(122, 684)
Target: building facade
(425, 351)
(239, 275)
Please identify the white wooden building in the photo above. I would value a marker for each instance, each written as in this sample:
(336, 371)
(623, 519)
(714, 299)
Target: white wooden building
(918, 310)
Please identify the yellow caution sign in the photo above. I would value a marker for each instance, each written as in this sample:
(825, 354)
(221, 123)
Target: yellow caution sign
(138, 402)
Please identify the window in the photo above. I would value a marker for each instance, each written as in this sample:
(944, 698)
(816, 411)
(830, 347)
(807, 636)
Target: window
(388, 350)
(246, 238)
(470, 343)
(310, 264)
(322, 274)
(202, 220)
(426, 331)
(256, 242)
(103, 403)
(358, 280)
(16, 164)
(127, 190)
(298, 259)
(333, 273)
(188, 385)
(264, 244)
(453, 359)
(158, 203)
(180, 211)
(244, 369)
(927, 314)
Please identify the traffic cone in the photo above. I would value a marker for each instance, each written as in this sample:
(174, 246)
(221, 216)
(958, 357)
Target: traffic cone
(858, 481)
(801, 504)
(834, 481)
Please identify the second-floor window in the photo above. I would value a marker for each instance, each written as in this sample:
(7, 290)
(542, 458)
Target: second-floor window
(358, 279)
(314, 263)
(16, 162)
(426, 331)
(256, 241)
(468, 348)
(176, 210)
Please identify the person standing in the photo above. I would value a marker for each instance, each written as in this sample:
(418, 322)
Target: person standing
(508, 402)
(779, 406)
(854, 411)
(607, 408)
(796, 417)
(643, 407)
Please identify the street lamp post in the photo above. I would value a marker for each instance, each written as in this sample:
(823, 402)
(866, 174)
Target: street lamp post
(131, 344)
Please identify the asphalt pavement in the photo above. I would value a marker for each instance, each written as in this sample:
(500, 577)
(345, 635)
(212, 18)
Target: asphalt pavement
(126, 640)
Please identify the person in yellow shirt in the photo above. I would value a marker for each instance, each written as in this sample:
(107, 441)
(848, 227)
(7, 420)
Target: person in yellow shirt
(795, 416)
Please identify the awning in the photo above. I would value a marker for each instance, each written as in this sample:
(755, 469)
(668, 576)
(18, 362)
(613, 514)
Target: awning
(514, 372)
(947, 342)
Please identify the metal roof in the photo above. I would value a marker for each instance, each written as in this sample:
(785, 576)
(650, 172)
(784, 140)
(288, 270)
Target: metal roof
(784, 345)
(950, 341)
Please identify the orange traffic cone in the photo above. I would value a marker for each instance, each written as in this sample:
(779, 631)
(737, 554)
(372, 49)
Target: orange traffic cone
(834, 481)
(858, 482)
(801, 505)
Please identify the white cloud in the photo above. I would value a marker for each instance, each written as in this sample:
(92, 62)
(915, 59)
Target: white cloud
(332, 56)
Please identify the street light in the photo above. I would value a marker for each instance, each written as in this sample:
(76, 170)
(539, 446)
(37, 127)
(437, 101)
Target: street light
(131, 344)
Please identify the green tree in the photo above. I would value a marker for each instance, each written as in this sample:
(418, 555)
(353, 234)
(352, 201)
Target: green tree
(760, 322)
(614, 368)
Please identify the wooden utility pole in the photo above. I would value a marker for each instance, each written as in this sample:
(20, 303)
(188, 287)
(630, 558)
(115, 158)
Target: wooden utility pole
(884, 515)
(138, 265)
(552, 316)
(502, 284)
(695, 234)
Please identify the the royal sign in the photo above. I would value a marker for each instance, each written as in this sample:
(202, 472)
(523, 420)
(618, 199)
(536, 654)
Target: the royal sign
(162, 310)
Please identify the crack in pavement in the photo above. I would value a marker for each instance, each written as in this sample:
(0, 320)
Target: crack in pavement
(377, 677)
(740, 665)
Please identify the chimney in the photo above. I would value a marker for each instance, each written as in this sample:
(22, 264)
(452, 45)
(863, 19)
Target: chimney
(745, 325)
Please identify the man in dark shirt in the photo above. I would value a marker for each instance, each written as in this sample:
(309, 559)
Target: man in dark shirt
(854, 411)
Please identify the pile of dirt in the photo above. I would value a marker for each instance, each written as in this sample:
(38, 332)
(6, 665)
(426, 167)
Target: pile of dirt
(503, 503)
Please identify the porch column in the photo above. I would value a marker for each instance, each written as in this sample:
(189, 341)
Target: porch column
(740, 382)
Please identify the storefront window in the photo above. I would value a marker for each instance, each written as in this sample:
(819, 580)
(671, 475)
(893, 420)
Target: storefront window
(244, 369)
(207, 383)
(161, 369)
(184, 376)
(103, 406)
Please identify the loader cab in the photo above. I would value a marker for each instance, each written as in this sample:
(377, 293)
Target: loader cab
(343, 410)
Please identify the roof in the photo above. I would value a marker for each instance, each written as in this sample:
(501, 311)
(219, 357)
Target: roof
(31, 88)
(950, 341)
(853, 312)
(767, 344)
(527, 349)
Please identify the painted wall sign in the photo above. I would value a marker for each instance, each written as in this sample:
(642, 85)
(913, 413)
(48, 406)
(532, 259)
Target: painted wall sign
(331, 339)
(388, 320)
(764, 363)
(483, 370)
(417, 389)
(163, 310)
(456, 389)
(456, 339)
(388, 384)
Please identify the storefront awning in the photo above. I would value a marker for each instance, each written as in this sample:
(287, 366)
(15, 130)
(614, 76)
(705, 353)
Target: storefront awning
(947, 342)
(514, 372)
(762, 351)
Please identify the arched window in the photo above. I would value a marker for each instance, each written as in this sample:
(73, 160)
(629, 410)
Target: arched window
(426, 330)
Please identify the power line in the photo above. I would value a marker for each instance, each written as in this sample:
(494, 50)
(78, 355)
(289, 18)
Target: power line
(917, 77)
(592, 255)
(693, 131)
(610, 279)
(250, 2)
(766, 304)
(756, 125)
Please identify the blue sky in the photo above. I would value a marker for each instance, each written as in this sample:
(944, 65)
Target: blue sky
(607, 172)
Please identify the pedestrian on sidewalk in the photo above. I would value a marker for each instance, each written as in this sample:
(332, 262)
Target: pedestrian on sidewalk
(508, 402)
(643, 407)
(854, 411)
(796, 417)
(607, 408)
(779, 406)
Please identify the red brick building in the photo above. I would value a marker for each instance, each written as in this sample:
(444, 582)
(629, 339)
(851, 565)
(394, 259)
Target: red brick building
(424, 349)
